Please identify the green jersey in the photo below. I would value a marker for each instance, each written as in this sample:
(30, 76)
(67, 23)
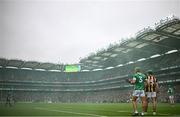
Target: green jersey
(170, 91)
(140, 79)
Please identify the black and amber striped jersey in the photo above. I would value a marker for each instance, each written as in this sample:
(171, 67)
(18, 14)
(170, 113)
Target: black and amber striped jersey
(151, 83)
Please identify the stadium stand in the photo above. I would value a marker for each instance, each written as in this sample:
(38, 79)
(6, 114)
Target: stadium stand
(103, 74)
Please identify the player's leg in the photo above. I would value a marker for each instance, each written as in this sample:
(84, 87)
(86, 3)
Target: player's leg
(134, 101)
(146, 102)
(143, 104)
(143, 99)
(154, 99)
(172, 99)
(146, 105)
(154, 102)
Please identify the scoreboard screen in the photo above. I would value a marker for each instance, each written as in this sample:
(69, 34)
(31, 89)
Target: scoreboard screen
(72, 68)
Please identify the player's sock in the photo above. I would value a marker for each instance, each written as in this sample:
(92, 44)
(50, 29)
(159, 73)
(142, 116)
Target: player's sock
(135, 114)
(154, 113)
(136, 111)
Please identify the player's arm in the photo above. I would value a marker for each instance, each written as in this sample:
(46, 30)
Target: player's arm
(157, 86)
(145, 82)
(133, 80)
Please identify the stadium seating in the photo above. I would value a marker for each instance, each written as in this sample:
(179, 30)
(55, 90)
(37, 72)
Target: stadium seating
(98, 86)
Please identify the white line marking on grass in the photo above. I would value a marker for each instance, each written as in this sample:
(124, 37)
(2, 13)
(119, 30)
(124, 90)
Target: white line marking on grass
(123, 111)
(54, 110)
(163, 114)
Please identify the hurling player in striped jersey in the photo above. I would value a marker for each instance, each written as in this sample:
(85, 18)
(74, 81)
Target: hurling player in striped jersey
(151, 90)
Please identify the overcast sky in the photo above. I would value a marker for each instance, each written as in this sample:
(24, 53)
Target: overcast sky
(62, 31)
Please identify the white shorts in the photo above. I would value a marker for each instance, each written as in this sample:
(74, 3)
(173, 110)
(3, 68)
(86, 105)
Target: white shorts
(151, 94)
(171, 97)
(139, 93)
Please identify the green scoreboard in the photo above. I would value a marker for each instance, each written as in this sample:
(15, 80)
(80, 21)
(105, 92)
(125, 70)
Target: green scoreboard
(72, 68)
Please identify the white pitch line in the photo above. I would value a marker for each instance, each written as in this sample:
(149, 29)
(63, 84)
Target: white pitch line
(123, 111)
(54, 110)
(163, 114)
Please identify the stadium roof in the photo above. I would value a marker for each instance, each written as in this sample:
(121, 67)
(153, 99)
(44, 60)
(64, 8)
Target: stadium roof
(149, 43)
(163, 38)
(20, 64)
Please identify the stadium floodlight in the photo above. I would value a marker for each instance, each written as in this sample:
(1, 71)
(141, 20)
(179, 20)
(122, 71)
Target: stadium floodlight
(130, 62)
(171, 51)
(164, 68)
(154, 56)
(11, 67)
(92, 81)
(142, 59)
(85, 70)
(172, 67)
(96, 69)
(119, 65)
(109, 68)
(25, 68)
(40, 69)
(54, 70)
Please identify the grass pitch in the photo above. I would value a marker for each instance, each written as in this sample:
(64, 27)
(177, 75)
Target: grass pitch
(83, 109)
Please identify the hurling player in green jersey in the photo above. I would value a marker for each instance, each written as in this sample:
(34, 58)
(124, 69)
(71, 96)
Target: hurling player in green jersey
(171, 94)
(138, 80)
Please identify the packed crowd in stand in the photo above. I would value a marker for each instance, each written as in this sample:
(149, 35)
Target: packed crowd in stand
(106, 96)
(110, 96)
(82, 80)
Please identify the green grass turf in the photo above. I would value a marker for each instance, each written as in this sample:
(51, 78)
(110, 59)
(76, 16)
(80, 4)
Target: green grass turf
(83, 109)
